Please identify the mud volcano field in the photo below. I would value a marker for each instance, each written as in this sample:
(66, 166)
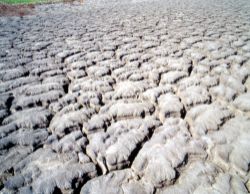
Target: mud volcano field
(126, 97)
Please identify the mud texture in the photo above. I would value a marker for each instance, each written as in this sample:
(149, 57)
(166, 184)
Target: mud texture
(126, 97)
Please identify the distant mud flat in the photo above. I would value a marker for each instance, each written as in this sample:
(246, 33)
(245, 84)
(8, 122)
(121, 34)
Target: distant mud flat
(16, 10)
(121, 97)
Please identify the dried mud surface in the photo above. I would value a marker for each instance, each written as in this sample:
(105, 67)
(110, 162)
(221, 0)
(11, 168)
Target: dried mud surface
(130, 97)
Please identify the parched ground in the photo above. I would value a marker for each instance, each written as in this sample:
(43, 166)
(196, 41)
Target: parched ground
(15, 10)
(126, 97)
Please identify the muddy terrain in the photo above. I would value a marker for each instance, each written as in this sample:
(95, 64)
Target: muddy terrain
(126, 97)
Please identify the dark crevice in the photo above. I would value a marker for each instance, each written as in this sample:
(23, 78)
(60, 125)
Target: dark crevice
(244, 79)
(39, 103)
(247, 187)
(183, 113)
(1, 186)
(66, 88)
(177, 175)
(69, 129)
(190, 69)
(77, 185)
(139, 146)
(179, 167)
(98, 170)
(26, 74)
(11, 171)
(9, 102)
(8, 105)
(143, 114)
(57, 191)
(100, 97)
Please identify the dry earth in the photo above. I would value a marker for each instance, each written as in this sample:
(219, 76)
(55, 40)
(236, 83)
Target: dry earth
(126, 97)
(15, 10)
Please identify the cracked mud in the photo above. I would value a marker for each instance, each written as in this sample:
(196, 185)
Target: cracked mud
(130, 97)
